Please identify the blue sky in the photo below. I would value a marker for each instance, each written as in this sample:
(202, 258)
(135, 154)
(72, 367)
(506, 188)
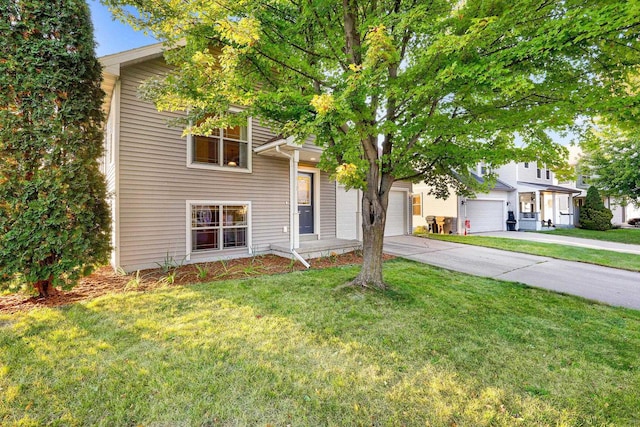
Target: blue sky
(113, 36)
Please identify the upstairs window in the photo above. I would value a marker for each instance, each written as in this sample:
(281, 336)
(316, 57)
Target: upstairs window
(526, 165)
(538, 173)
(548, 174)
(228, 149)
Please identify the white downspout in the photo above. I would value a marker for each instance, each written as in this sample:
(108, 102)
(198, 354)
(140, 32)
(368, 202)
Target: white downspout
(293, 205)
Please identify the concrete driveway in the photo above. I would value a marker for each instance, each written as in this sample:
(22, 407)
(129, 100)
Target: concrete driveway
(607, 285)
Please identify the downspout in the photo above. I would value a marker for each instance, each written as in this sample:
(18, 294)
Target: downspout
(293, 163)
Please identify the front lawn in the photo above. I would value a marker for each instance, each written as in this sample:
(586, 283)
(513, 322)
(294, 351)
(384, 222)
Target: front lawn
(619, 235)
(570, 253)
(442, 348)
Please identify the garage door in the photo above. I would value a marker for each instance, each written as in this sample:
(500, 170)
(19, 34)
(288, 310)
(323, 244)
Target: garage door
(485, 215)
(396, 214)
(347, 213)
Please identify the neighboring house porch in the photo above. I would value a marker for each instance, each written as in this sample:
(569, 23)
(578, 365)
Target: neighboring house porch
(540, 205)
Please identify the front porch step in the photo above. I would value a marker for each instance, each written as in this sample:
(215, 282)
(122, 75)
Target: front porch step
(308, 237)
(319, 248)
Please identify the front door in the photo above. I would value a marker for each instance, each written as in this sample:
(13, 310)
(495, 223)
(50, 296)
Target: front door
(305, 202)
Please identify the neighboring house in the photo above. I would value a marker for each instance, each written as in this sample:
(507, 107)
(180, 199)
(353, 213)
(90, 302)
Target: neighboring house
(526, 189)
(621, 213)
(240, 192)
(485, 212)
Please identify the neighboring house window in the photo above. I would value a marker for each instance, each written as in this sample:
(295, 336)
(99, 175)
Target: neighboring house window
(548, 174)
(483, 170)
(538, 173)
(583, 180)
(417, 204)
(219, 225)
(228, 149)
(526, 165)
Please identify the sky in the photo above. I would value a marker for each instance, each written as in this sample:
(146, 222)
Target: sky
(113, 36)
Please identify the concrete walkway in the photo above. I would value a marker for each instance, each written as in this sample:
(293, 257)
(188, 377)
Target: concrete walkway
(551, 237)
(604, 284)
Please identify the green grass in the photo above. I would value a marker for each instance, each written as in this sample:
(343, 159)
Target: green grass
(613, 259)
(620, 235)
(441, 349)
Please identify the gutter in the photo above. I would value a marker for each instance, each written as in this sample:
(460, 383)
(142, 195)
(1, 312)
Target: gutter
(299, 257)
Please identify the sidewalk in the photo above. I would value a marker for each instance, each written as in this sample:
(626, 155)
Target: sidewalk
(550, 237)
(604, 284)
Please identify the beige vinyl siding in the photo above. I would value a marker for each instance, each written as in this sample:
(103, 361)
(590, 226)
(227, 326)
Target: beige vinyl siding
(402, 185)
(327, 207)
(155, 184)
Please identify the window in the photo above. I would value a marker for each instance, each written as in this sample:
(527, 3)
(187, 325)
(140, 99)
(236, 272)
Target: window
(538, 173)
(548, 174)
(583, 181)
(526, 165)
(228, 149)
(417, 204)
(218, 226)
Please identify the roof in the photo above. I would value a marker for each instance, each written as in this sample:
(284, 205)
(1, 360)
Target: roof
(498, 186)
(112, 63)
(284, 147)
(550, 188)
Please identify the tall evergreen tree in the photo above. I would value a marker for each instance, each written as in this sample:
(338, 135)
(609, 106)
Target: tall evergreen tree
(54, 220)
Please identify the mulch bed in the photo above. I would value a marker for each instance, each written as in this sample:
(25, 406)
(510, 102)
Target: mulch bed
(105, 280)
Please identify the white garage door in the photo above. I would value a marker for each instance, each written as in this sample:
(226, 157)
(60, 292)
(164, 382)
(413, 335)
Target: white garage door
(485, 215)
(347, 213)
(396, 214)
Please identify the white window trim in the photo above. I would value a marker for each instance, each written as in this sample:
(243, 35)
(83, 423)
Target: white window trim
(196, 165)
(222, 250)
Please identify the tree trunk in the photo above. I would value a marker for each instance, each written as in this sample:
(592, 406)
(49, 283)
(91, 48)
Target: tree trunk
(374, 216)
(43, 287)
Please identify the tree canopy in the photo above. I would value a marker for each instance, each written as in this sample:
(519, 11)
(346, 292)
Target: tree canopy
(398, 89)
(54, 221)
(612, 161)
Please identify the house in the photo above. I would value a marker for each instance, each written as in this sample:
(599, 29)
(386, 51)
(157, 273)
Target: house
(240, 192)
(526, 189)
(485, 212)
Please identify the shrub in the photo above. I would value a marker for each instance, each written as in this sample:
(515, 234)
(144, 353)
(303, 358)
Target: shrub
(594, 215)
